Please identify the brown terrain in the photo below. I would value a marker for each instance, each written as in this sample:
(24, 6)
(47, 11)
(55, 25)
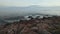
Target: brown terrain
(50, 25)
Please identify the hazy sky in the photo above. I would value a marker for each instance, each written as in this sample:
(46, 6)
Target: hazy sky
(29, 2)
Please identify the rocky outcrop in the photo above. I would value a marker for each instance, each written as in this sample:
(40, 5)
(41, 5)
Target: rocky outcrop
(49, 25)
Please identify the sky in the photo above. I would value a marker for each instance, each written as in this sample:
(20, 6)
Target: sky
(19, 3)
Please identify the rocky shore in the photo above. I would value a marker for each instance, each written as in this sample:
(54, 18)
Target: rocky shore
(50, 25)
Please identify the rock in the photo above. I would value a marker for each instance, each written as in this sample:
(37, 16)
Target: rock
(34, 26)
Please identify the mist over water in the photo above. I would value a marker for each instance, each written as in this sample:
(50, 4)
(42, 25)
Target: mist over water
(51, 12)
(19, 11)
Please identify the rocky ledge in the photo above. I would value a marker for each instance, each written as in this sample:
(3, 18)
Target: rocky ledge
(50, 25)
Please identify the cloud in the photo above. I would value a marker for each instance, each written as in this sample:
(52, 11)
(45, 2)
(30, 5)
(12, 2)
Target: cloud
(29, 2)
(52, 3)
(15, 3)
